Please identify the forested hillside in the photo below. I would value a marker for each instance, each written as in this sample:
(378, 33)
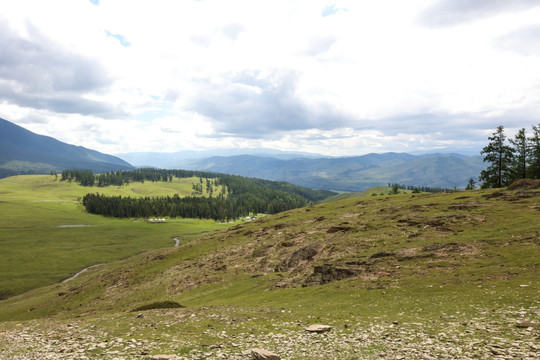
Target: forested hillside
(238, 196)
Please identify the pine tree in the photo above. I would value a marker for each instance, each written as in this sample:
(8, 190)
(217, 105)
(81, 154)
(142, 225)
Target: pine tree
(471, 184)
(499, 155)
(521, 155)
(533, 170)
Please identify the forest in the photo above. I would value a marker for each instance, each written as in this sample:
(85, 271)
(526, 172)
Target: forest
(239, 197)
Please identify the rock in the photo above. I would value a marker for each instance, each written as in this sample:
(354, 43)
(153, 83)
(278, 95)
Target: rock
(261, 354)
(165, 357)
(317, 328)
(526, 324)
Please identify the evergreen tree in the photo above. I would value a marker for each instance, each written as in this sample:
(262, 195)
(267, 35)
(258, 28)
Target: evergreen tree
(521, 155)
(471, 184)
(533, 170)
(499, 155)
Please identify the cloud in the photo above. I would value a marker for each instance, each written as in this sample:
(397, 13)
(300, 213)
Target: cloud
(232, 31)
(37, 73)
(448, 13)
(255, 106)
(524, 41)
(338, 77)
(319, 45)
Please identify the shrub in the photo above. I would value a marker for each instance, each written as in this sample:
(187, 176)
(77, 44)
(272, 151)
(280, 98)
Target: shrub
(159, 305)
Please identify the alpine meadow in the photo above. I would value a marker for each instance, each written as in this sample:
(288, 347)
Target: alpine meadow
(270, 180)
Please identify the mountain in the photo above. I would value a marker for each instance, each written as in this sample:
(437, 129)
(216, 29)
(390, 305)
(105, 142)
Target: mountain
(351, 173)
(177, 160)
(24, 152)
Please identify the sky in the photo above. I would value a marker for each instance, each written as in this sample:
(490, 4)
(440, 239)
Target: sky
(339, 78)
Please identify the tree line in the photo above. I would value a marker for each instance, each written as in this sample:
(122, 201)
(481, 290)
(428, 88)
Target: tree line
(222, 207)
(511, 160)
(239, 196)
(416, 189)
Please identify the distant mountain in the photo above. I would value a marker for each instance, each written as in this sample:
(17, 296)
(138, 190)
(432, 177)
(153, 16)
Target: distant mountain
(24, 152)
(351, 173)
(177, 160)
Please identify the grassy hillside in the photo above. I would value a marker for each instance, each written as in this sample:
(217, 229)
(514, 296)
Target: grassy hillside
(46, 235)
(404, 276)
(372, 191)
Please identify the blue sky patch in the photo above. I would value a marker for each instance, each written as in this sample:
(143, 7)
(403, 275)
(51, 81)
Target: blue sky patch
(95, 2)
(119, 37)
(331, 10)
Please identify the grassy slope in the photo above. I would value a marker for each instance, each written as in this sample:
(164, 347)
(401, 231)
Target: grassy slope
(372, 191)
(426, 244)
(40, 247)
(454, 270)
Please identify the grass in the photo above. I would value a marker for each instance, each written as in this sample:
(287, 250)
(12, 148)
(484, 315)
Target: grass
(449, 264)
(46, 235)
(372, 191)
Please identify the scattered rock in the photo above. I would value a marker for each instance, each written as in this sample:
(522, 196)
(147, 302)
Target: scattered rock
(526, 324)
(262, 354)
(165, 357)
(317, 328)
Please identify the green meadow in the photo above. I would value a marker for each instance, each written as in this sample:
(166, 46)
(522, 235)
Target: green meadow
(46, 235)
(420, 276)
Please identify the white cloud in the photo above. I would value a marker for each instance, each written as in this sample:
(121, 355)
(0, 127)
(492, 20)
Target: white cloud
(336, 77)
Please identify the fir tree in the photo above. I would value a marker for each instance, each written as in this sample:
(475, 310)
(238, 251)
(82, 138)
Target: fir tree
(521, 155)
(533, 170)
(499, 155)
(471, 185)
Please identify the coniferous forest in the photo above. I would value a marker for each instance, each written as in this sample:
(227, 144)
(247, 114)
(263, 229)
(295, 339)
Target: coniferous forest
(239, 196)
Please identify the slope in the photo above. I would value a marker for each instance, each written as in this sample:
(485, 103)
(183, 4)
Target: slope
(432, 275)
(47, 236)
(22, 151)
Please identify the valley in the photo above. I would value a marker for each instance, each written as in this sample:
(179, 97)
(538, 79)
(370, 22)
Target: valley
(47, 236)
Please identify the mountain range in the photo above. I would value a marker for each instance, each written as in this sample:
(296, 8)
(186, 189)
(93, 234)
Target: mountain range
(349, 174)
(24, 152)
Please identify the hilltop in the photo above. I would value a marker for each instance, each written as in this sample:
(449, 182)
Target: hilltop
(429, 275)
(24, 152)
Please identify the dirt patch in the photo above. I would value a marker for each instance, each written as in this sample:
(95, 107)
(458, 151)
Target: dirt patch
(440, 249)
(381, 255)
(324, 274)
(335, 229)
(465, 205)
(495, 194)
(525, 184)
(300, 256)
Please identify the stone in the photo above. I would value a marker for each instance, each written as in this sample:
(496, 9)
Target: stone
(318, 328)
(262, 354)
(165, 357)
